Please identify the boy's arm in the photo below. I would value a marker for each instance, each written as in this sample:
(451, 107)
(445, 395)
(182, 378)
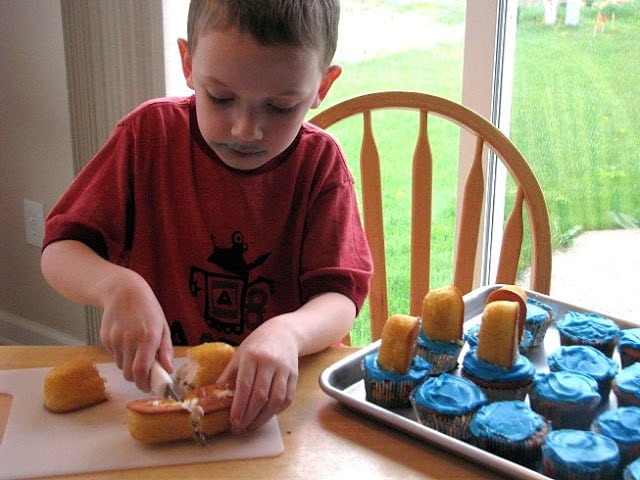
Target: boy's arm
(134, 329)
(319, 323)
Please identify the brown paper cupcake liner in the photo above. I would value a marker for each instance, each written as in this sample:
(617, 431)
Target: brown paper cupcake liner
(576, 416)
(389, 394)
(527, 452)
(440, 362)
(456, 426)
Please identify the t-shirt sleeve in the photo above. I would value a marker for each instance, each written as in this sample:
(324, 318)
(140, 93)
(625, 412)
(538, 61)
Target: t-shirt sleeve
(336, 255)
(95, 209)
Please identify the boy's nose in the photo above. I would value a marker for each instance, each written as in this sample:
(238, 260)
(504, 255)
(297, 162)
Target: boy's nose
(246, 127)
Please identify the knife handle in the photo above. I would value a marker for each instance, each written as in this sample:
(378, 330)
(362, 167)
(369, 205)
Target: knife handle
(159, 378)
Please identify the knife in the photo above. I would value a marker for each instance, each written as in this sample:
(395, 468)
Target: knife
(161, 382)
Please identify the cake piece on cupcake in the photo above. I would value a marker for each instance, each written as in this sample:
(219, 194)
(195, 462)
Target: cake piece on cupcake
(440, 339)
(496, 364)
(394, 370)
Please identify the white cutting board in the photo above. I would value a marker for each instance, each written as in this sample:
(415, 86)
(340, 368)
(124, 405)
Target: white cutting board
(40, 443)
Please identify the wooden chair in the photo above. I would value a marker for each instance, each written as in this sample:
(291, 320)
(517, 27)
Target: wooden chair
(469, 221)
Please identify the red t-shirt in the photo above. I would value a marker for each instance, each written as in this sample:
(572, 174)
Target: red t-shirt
(223, 249)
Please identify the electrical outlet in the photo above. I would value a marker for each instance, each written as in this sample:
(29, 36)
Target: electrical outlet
(33, 222)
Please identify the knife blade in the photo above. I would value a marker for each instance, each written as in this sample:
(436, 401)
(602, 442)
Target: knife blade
(161, 382)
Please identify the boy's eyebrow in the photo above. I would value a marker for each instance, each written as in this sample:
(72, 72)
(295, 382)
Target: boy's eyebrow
(286, 93)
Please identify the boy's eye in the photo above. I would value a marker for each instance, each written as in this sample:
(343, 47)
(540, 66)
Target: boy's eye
(226, 100)
(218, 100)
(283, 110)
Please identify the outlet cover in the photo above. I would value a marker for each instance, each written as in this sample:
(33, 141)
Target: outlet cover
(33, 222)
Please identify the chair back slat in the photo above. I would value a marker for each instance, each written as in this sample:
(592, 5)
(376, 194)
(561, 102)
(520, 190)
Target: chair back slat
(421, 216)
(469, 225)
(511, 241)
(372, 213)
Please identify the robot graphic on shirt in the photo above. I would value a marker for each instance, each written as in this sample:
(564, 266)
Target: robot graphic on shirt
(232, 302)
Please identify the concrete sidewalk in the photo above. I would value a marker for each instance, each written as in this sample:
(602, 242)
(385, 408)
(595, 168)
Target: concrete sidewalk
(600, 271)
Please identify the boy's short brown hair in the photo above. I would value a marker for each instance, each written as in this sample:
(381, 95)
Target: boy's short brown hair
(302, 23)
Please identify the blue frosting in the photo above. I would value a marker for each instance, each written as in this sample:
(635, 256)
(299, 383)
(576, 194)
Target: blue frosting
(536, 311)
(630, 338)
(632, 471)
(628, 380)
(582, 450)
(620, 424)
(419, 369)
(583, 359)
(541, 304)
(471, 335)
(566, 387)
(435, 346)
(589, 327)
(478, 368)
(511, 420)
(449, 394)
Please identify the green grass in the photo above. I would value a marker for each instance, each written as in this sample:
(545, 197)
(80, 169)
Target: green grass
(576, 119)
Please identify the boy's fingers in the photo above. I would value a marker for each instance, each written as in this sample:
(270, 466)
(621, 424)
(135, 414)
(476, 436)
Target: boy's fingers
(165, 353)
(141, 368)
(230, 373)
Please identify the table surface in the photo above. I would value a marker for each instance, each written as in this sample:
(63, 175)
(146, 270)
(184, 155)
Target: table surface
(322, 438)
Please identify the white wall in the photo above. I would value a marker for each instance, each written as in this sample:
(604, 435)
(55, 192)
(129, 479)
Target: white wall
(35, 163)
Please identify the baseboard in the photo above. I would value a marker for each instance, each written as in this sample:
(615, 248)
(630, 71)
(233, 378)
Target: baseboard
(15, 330)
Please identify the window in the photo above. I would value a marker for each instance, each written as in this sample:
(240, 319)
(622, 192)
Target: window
(575, 117)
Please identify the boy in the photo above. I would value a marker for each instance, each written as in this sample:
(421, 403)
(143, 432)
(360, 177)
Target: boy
(222, 216)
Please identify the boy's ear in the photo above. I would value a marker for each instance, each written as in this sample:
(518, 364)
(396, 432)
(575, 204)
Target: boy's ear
(185, 56)
(331, 76)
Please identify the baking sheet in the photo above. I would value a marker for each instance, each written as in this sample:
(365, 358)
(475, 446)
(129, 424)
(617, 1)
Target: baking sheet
(344, 382)
(38, 443)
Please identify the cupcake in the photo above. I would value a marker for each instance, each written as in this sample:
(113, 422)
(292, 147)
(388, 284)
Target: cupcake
(622, 425)
(579, 328)
(440, 339)
(393, 371)
(510, 429)
(499, 383)
(567, 399)
(539, 317)
(626, 385)
(579, 454)
(471, 337)
(447, 403)
(586, 360)
(629, 346)
(632, 471)
(495, 365)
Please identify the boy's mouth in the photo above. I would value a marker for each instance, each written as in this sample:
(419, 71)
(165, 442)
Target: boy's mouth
(243, 150)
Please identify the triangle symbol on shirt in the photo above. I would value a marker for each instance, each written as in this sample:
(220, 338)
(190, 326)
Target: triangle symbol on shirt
(224, 298)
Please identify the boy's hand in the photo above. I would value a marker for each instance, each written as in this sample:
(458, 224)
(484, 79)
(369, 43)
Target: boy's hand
(134, 330)
(265, 372)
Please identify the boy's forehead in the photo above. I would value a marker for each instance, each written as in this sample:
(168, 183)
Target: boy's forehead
(229, 45)
(237, 61)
